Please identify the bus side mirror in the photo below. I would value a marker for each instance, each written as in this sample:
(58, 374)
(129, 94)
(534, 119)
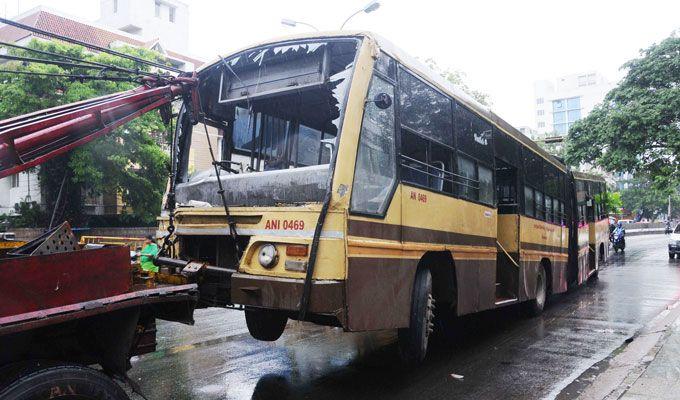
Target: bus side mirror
(382, 100)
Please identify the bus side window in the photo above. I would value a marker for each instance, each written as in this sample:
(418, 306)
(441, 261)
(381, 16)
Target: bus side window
(540, 207)
(375, 170)
(414, 158)
(548, 209)
(529, 201)
(468, 186)
(485, 184)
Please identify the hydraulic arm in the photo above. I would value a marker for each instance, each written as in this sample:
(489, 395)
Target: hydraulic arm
(32, 139)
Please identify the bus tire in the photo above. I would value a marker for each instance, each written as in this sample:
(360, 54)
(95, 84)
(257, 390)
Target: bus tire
(62, 380)
(266, 325)
(537, 304)
(413, 340)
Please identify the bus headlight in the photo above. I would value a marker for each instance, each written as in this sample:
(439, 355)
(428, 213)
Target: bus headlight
(268, 256)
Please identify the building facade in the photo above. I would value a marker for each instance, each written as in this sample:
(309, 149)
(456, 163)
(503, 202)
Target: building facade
(151, 24)
(560, 102)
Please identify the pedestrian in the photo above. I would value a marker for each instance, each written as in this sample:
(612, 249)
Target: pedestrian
(149, 251)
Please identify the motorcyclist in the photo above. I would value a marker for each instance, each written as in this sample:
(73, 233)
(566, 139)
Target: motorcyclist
(620, 232)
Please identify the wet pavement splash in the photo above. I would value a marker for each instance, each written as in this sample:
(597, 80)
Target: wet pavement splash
(499, 354)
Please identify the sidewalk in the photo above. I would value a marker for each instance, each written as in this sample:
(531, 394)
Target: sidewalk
(661, 376)
(646, 367)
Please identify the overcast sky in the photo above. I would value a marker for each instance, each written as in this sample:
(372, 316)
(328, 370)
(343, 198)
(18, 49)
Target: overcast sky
(502, 46)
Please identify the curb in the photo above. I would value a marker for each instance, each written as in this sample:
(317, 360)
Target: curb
(632, 358)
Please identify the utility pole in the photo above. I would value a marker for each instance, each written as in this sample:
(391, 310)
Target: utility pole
(669, 207)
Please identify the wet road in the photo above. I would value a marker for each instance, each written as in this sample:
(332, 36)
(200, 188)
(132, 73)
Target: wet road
(500, 354)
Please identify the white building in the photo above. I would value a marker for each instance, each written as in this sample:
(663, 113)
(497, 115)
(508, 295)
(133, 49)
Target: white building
(164, 20)
(22, 187)
(561, 102)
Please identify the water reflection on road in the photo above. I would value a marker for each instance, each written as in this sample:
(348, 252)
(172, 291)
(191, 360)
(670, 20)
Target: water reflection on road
(500, 354)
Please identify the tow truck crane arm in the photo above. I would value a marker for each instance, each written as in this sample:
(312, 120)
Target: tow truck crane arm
(32, 139)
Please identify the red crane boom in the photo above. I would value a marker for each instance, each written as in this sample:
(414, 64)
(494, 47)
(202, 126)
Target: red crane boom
(31, 139)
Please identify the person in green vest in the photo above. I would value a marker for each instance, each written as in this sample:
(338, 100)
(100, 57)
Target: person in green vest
(149, 251)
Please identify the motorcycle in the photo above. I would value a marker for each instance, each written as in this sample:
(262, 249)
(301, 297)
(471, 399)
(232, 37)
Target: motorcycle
(618, 240)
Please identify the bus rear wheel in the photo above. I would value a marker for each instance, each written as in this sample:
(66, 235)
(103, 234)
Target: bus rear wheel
(265, 325)
(67, 381)
(536, 305)
(413, 340)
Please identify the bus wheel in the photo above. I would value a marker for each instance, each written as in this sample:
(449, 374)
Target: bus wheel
(536, 305)
(413, 340)
(266, 325)
(65, 380)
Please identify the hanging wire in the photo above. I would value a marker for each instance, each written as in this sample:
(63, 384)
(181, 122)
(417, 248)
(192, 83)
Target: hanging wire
(76, 77)
(88, 45)
(114, 68)
(65, 64)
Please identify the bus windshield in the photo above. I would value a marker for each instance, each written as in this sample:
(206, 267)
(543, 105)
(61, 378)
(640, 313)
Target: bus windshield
(276, 108)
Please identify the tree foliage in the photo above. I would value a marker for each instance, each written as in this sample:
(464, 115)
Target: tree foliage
(458, 79)
(645, 197)
(611, 200)
(636, 128)
(130, 161)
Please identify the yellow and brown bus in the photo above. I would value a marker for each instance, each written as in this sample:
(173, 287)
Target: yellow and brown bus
(362, 190)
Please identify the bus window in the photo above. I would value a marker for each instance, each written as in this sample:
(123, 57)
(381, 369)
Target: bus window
(424, 110)
(474, 134)
(375, 171)
(386, 66)
(414, 158)
(485, 185)
(540, 207)
(529, 201)
(533, 170)
(468, 187)
(440, 168)
(557, 214)
(548, 209)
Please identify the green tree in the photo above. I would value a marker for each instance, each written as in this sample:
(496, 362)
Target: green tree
(611, 200)
(130, 161)
(646, 197)
(636, 128)
(458, 79)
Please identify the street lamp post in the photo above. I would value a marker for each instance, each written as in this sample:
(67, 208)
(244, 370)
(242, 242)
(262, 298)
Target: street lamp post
(292, 23)
(370, 7)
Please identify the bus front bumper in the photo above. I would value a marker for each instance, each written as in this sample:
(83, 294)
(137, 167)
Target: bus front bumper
(327, 296)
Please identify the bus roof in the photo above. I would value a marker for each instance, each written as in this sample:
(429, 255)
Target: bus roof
(585, 176)
(424, 72)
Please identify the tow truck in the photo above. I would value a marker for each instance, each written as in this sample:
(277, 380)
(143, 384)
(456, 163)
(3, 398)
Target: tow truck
(72, 316)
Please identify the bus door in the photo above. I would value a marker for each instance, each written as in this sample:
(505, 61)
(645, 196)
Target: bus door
(507, 263)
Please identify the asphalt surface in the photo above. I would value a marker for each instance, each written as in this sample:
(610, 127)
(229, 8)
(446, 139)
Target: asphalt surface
(499, 354)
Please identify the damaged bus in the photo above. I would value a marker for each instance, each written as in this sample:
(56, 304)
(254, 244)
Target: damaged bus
(353, 187)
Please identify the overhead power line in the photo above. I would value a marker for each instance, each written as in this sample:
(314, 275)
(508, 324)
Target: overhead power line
(76, 77)
(114, 68)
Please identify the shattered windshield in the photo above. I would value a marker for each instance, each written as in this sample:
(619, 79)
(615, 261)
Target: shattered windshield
(280, 105)
(275, 108)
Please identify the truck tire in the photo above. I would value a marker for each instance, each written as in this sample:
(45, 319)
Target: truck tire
(266, 325)
(413, 340)
(67, 381)
(536, 305)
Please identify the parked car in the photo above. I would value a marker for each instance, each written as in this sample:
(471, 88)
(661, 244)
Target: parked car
(674, 242)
